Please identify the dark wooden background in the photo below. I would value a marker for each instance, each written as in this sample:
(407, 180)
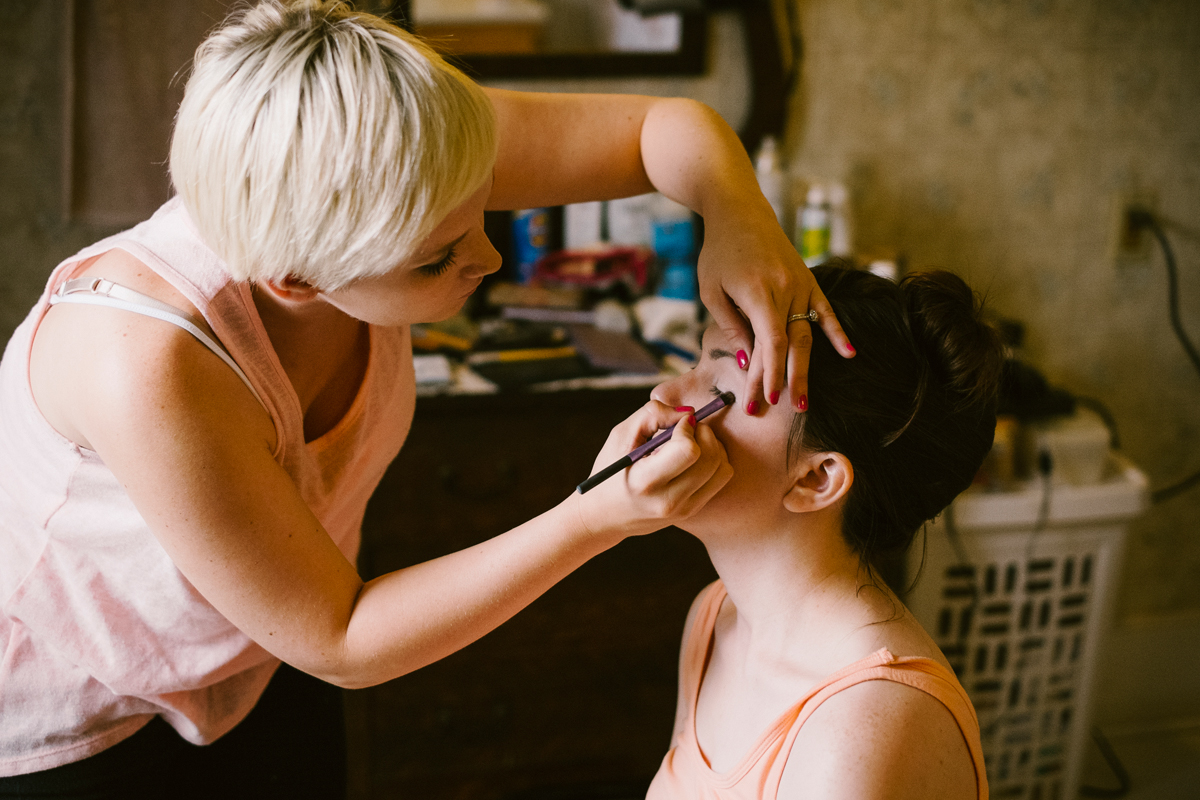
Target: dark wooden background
(573, 698)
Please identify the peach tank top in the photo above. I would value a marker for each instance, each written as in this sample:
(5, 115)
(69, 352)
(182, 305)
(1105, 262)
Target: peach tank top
(685, 772)
(99, 632)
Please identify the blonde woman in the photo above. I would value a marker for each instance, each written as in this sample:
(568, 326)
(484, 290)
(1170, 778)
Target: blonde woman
(197, 409)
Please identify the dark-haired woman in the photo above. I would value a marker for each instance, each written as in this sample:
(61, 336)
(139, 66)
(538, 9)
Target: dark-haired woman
(801, 674)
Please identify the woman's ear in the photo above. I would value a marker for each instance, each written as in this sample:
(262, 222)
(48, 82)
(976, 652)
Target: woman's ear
(820, 480)
(290, 289)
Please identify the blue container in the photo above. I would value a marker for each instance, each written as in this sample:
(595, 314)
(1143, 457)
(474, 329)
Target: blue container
(678, 281)
(673, 239)
(531, 240)
(675, 245)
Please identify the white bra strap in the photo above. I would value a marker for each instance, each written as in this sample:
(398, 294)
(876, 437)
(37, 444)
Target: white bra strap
(103, 292)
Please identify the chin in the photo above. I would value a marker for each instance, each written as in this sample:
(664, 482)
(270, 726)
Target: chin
(442, 316)
(430, 316)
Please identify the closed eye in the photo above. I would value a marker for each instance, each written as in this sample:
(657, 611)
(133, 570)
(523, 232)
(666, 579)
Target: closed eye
(437, 268)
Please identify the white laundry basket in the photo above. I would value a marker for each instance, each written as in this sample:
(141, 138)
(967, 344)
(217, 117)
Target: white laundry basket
(1017, 589)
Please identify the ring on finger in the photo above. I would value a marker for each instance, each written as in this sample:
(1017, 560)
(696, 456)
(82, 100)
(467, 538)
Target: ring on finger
(808, 316)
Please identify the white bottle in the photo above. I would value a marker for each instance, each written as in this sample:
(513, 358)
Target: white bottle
(771, 179)
(583, 225)
(812, 227)
(841, 236)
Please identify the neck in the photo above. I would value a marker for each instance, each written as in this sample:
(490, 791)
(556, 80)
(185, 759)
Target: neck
(318, 345)
(284, 313)
(795, 588)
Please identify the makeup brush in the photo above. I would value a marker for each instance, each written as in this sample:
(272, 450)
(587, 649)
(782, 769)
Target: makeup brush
(726, 399)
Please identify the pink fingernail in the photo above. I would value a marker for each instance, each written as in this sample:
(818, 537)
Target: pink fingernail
(688, 409)
(692, 420)
(850, 347)
(742, 359)
(752, 407)
(775, 398)
(802, 403)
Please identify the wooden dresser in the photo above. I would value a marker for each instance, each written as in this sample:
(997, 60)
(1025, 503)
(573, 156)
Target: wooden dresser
(573, 698)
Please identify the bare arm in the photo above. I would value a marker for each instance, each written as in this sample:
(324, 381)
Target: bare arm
(193, 449)
(563, 148)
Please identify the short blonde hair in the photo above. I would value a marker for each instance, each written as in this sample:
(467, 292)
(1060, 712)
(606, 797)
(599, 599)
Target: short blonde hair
(323, 144)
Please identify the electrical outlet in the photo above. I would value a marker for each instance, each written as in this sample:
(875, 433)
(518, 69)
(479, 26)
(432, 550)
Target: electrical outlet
(1132, 246)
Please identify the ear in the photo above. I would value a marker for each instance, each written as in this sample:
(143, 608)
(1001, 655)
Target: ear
(290, 289)
(820, 481)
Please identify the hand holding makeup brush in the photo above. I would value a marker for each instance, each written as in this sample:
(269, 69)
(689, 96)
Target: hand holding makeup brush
(726, 399)
(688, 468)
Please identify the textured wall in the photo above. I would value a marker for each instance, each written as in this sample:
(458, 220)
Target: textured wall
(33, 236)
(990, 137)
(84, 126)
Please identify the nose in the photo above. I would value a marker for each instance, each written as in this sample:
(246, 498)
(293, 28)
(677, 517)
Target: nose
(668, 392)
(483, 258)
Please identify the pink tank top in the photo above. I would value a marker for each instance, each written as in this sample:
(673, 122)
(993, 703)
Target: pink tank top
(99, 631)
(685, 773)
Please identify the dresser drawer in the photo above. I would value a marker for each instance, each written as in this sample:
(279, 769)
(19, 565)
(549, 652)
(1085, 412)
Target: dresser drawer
(467, 476)
(578, 689)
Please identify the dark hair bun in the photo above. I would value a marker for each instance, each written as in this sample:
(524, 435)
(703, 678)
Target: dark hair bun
(914, 410)
(945, 317)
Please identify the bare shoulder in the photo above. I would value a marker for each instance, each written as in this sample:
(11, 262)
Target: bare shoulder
(121, 266)
(94, 368)
(880, 739)
(193, 451)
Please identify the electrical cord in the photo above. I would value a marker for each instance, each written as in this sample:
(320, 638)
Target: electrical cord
(1114, 764)
(1144, 219)
(1045, 466)
(1141, 218)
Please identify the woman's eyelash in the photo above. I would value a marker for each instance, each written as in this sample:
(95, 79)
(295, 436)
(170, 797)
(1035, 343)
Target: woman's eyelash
(716, 392)
(434, 270)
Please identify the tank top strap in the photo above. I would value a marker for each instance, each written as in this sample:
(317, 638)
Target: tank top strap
(699, 639)
(103, 292)
(919, 672)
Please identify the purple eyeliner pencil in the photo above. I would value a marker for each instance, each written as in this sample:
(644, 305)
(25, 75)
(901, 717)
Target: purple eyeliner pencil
(726, 399)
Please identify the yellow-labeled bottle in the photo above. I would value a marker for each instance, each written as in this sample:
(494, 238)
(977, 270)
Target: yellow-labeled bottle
(812, 227)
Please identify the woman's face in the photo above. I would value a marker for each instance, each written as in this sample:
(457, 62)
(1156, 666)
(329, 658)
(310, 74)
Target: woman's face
(433, 285)
(757, 445)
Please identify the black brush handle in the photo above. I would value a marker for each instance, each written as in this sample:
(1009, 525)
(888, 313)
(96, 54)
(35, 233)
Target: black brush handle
(726, 399)
(605, 474)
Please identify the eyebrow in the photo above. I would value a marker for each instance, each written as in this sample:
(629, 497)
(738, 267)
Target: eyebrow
(717, 352)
